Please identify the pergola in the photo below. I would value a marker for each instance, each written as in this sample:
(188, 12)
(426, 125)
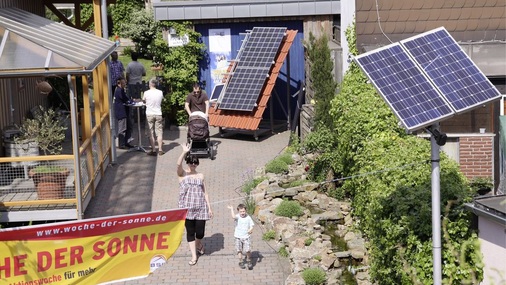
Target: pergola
(33, 46)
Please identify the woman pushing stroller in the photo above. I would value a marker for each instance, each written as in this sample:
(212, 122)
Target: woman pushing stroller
(197, 101)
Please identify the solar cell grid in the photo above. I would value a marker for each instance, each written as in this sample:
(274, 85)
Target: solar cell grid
(261, 47)
(406, 90)
(451, 70)
(243, 89)
(253, 65)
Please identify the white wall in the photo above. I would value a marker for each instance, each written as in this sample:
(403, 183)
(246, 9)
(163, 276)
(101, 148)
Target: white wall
(347, 18)
(493, 246)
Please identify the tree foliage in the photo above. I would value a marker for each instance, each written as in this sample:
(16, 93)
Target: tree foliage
(181, 66)
(321, 78)
(142, 29)
(388, 180)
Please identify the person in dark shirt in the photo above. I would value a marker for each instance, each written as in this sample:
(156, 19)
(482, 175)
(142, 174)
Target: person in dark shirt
(197, 101)
(122, 113)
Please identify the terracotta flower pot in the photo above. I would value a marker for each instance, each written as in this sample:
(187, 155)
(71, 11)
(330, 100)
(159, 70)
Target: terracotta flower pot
(50, 185)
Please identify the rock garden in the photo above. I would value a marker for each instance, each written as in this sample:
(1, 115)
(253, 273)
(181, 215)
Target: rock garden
(313, 230)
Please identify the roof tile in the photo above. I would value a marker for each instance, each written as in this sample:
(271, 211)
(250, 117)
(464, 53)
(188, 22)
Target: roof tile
(403, 16)
(366, 5)
(397, 5)
(470, 25)
(410, 27)
(466, 13)
(434, 15)
(479, 3)
(459, 3)
(424, 15)
(493, 3)
(251, 120)
(455, 14)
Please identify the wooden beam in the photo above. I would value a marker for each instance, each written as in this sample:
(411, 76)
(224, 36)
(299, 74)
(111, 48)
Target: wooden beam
(58, 14)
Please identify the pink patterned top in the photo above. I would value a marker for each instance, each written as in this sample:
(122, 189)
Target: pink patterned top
(191, 196)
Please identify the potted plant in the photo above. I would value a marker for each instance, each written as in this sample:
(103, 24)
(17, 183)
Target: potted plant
(47, 130)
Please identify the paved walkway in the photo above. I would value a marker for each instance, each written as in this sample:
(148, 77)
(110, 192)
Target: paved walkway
(140, 183)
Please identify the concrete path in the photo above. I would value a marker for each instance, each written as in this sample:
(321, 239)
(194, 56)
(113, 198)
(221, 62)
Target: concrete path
(140, 183)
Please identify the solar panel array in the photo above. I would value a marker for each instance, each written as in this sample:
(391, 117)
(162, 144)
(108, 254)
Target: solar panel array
(252, 69)
(427, 78)
(451, 70)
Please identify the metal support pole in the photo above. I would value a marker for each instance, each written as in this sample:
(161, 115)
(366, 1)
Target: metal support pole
(75, 148)
(112, 116)
(436, 209)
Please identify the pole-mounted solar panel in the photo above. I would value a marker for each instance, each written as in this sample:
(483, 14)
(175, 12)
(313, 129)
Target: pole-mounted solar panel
(424, 80)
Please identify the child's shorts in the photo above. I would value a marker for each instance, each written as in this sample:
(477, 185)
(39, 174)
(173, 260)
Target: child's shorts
(243, 244)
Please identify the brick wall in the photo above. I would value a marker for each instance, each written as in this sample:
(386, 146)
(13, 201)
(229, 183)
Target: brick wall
(477, 156)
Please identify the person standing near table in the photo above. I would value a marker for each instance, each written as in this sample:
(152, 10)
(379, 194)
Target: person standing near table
(122, 113)
(197, 100)
(134, 73)
(153, 100)
(116, 69)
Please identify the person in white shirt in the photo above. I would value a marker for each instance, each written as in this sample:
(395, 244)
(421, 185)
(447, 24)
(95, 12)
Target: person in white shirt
(243, 229)
(153, 100)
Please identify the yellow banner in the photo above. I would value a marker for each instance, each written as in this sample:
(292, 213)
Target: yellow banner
(93, 251)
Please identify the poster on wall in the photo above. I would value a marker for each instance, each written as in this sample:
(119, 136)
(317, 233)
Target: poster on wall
(220, 47)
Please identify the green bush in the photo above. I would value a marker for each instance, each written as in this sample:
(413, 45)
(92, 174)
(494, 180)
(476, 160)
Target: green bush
(250, 204)
(308, 241)
(269, 235)
(250, 184)
(283, 252)
(314, 276)
(286, 158)
(321, 78)
(289, 209)
(395, 214)
(276, 166)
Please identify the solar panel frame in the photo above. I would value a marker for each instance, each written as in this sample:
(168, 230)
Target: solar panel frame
(261, 47)
(215, 94)
(407, 91)
(253, 64)
(243, 89)
(453, 72)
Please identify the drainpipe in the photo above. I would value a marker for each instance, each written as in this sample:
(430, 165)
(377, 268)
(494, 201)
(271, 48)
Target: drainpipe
(112, 120)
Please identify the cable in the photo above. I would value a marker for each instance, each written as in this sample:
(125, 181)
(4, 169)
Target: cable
(379, 22)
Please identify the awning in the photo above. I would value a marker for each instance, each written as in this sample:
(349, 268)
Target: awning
(33, 45)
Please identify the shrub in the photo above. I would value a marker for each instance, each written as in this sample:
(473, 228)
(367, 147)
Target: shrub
(283, 252)
(289, 209)
(322, 81)
(308, 241)
(286, 158)
(250, 184)
(276, 166)
(313, 276)
(269, 235)
(250, 204)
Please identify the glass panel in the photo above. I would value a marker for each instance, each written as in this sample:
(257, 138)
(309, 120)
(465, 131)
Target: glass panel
(20, 53)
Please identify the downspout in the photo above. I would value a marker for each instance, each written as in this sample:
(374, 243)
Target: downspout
(112, 120)
(75, 148)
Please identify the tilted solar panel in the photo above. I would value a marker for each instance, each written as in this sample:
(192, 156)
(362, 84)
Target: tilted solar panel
(243, 89)
(254, 62)
(451, 70)
(261, 47)
(407, 91)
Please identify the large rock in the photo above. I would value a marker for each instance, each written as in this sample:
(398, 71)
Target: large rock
(295, 279)
(327, 216)
(273, 190)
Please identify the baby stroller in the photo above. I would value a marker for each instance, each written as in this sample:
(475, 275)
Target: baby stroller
(198, 135)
